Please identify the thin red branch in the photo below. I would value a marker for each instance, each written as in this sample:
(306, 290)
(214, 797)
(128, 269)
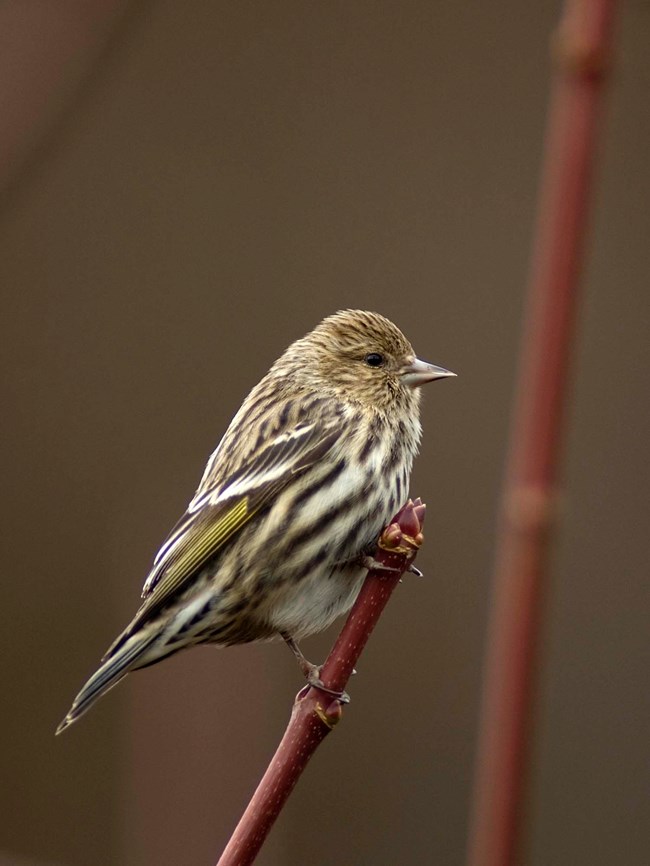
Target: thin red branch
(581, 52)
(315, 713)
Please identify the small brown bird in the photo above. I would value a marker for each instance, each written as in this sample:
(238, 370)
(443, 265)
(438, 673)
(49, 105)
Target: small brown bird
(310, 470)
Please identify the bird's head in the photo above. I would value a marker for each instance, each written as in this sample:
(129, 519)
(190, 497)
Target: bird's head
(361, 357)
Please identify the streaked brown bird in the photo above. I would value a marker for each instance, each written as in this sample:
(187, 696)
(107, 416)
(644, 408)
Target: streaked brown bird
(310, 470)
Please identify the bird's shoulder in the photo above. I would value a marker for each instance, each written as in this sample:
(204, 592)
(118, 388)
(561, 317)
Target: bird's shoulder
(269, 428)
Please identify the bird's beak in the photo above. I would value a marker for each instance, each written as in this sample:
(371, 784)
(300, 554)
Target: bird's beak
(419, 372)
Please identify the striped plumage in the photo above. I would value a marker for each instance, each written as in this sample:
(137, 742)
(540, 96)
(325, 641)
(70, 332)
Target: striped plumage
(311, 468)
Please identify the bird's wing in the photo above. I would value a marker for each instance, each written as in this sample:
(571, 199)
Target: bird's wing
(222, 512)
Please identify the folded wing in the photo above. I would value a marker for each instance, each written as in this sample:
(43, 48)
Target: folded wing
(218, 513)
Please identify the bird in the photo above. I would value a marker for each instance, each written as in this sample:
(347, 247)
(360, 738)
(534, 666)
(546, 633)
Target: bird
(275, 541)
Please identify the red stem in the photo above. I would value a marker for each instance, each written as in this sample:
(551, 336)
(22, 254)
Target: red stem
(315, 713)
(581, 51)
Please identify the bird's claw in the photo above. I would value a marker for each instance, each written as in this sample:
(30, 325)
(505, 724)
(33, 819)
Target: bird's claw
(315, 682)
(372, 564)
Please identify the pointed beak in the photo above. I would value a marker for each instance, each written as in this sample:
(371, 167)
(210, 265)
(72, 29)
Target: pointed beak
(419, 372)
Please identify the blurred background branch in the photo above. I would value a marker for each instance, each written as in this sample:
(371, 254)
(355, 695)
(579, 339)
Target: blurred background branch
(581, 53)
(47, 51)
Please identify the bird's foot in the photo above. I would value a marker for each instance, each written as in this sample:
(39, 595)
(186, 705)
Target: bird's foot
(311, 672)
(315, 681)
(372, 564)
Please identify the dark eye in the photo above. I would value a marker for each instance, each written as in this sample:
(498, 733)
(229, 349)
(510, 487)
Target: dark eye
(374, 359)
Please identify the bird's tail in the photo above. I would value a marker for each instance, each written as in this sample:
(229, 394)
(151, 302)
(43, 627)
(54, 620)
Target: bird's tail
(112, 670)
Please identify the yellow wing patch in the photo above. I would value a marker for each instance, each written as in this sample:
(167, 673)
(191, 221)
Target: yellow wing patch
(199, 548)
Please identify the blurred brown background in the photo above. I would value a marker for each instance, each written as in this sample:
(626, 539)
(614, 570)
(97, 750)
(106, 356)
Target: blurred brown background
(187, 188)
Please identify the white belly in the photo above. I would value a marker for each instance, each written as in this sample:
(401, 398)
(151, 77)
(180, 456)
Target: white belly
(318, 600)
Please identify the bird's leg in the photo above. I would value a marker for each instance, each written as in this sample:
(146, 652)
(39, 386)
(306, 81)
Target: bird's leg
(311, 671)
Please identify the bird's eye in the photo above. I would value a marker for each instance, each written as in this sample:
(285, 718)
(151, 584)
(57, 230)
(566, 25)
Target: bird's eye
(374, 359)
